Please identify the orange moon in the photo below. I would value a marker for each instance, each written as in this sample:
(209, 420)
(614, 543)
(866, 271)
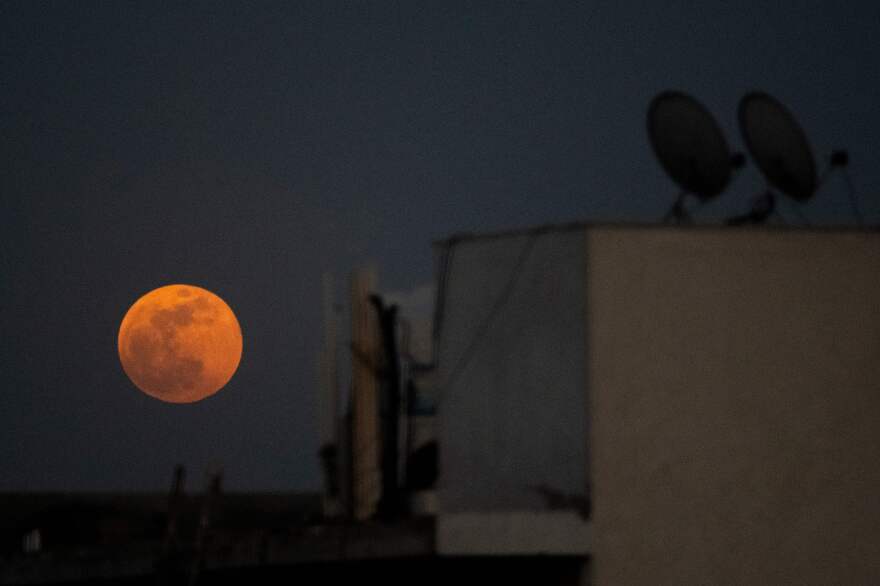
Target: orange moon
(180, 343)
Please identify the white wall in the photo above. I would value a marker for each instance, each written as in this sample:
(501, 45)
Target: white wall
(734, 383)
(512, 417)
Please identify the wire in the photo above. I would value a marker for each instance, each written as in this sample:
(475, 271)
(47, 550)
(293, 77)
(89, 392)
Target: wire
(440, 296)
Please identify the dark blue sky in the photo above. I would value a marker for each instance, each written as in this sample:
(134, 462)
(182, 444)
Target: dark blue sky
(246, 149)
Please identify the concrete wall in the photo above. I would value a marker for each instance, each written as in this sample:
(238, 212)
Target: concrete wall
(510, 373)
(518, 533)
(734, 383)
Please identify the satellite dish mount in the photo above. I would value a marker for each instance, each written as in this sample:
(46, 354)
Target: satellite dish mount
(691, 149)
(782, 152)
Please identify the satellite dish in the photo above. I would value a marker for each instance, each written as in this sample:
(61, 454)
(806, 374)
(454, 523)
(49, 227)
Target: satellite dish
(778, 145)
(690, 145)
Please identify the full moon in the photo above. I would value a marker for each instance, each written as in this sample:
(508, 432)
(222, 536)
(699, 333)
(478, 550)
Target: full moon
(180, 343)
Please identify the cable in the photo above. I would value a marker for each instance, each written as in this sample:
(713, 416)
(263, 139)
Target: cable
(440, 296)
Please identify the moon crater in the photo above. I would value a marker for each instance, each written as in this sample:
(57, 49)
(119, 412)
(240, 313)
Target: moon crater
(180, 343)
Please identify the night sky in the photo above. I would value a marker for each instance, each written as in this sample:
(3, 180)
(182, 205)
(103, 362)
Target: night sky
(248, 149)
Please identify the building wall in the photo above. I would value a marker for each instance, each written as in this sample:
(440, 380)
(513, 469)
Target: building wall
(510, 379)
(734, 384)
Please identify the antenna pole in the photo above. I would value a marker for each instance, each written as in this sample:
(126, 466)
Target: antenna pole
(840, 160)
